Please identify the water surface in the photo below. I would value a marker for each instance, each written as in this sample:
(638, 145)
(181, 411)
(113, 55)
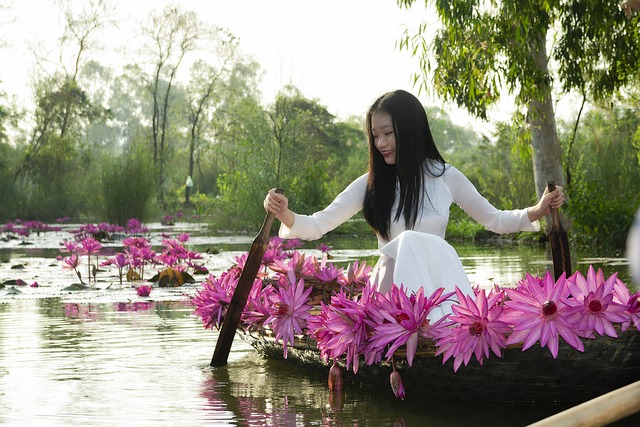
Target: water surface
(109, 357)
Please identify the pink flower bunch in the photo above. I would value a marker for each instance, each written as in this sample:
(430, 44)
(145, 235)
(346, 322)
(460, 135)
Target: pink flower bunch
(367, 324)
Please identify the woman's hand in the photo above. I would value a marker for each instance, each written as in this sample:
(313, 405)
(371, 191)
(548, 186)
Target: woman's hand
(278, 204)
(549, 200)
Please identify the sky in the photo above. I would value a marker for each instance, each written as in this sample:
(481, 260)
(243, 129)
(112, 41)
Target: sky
(341, 52)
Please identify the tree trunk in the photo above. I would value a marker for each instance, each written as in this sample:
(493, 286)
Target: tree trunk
(547, 153)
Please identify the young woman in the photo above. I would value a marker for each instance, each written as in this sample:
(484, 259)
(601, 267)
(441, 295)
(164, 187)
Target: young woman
(406, 196)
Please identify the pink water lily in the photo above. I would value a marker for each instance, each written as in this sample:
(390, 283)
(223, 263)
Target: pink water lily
(404, 320)
(593, 304)
(72, 262)
(329, 273)
(89, 246)
(357, 275)
(341, 329)
(292, 244)
(475, 328)
(622, 296)
(301, 265)
(539, 312)
(120, 260)
(138, 242)
(258, 308)
(71, 245)
(324, 248)
(289, 310)
(274, 251)
(144, 290)
(213, 299)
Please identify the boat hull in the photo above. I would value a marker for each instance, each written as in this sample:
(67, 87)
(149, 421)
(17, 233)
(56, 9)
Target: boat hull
(518, 376)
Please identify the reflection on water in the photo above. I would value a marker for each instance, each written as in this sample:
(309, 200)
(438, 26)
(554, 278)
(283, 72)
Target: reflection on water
(68, 364)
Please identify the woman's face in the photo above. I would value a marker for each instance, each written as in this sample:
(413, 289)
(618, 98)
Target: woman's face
(383, 136)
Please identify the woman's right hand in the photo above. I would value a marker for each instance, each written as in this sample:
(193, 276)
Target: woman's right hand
(275, 202)
(278, 204)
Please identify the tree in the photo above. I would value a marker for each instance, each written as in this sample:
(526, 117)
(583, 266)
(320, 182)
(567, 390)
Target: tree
(483, 47)
(61, 102)
(204, 92)
(169, 37)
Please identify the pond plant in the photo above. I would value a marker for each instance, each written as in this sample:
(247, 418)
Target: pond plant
(175, 260)
(19, 229)
(297, 295)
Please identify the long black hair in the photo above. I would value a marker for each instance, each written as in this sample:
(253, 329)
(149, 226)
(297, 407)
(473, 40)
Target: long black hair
(416, 154)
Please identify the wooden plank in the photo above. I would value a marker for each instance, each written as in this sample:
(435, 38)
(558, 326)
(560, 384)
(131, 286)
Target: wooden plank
(600, 411)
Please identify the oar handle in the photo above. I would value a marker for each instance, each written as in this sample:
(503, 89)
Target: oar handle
(551, 186)
(263, 235)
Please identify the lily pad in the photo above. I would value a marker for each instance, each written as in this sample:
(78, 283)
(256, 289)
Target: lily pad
(13, 291)
(77, 287)
(171, 278)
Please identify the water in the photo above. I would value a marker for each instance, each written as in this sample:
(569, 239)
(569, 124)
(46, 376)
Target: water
(109, 357)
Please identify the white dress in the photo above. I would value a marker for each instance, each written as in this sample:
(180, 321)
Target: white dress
(419, 257)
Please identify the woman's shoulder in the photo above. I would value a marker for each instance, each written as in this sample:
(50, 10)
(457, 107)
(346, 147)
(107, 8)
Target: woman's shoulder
(439, 169)
(450, 170)
(359, 183)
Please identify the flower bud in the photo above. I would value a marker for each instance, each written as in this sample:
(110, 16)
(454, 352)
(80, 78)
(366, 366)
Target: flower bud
(396, 385)
(336, 382)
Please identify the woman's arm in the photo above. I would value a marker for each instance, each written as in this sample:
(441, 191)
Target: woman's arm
(312, 227)
(499, 221)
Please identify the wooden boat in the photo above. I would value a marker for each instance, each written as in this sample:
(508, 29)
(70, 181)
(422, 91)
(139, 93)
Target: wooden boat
(529, 376)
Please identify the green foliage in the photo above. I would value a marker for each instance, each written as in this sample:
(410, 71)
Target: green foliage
(502, 170)
(481, 49)
(239, 204)
(9, 194)
(127, 187)
(461, 227)
(604, 194)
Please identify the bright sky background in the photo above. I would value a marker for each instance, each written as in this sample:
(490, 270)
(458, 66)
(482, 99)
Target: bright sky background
(342, 52)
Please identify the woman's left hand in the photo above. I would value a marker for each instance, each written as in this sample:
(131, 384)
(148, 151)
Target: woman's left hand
(553, 199)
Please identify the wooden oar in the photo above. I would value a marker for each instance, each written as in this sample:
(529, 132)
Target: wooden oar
(240, 295)
(559, 242)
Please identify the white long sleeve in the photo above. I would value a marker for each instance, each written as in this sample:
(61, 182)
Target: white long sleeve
(473, 203)
(344, 206)
(442, 191)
